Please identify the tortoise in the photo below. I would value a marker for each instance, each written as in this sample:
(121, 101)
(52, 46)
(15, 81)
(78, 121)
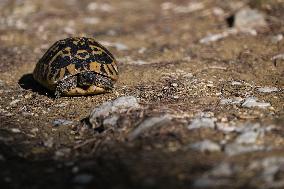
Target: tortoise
(77, 66)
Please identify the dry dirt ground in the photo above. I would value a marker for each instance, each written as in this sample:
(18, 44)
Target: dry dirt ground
(205, 136)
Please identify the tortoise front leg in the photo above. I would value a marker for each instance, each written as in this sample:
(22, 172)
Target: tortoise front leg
(65, 85)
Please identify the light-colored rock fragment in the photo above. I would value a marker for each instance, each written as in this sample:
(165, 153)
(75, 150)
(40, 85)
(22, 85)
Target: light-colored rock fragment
(249, 18)
(235, 100)
(248, 137)
(251, 102)
(206, 146)
(202, 122)
(267, 89)
(236, 149)
(119, 105)
(148, 124)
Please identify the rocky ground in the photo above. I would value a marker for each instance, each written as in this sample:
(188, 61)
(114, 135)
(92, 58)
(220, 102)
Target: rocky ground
(199, 102)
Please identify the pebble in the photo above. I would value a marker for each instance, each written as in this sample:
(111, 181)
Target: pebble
(236, 149)
(202, 122)
(216, 37)
(235, 100)
(61, 122)
(148, 124)
(270, 167)
(49, 142)
(275, 39)
(83, 178)
(93, 6)
(62, 152)
(15, 130)
(119, 105)
(267, 89)
(249, 18)
(91, 20)
(111, 121)
(206, 146)
(118, 46)
(279, 56)
(251, 102)
(191, 7)
(248, 137)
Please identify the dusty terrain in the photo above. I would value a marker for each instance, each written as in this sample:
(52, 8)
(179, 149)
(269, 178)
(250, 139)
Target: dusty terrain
(214, 109)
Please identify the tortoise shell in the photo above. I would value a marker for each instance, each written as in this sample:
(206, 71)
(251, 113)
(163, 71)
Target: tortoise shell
(72, 56)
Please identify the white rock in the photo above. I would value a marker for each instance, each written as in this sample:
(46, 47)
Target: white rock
(267, 89)
(223, 169)
(251, 102)
(118, 46)
(202, 122)
(206, 182)
(93, 6)
(268, 168)
(148, 124)
(235, 100)
(279, 56)
(248, 137)
(16, 130)
(111, 121)
(236, 149)
(206, 146)
(216, 37)
(61, 122)
(249, 18)
(91, 20)
(119, 105)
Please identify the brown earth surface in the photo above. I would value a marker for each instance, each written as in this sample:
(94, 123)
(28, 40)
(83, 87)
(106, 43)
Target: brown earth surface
(161, 62)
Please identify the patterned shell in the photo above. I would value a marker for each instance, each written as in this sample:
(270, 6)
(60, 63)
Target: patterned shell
(71, 56)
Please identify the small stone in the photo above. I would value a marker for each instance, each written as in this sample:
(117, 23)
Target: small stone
(236, 149)
(267, 89)
(75, 169)
(248, 137)
(277, 57)
(148, 124)
(235, 100)
(61, 122)
(104, 7)
(62, 152)
(202, 122)
(91, 20)
(251, 102)
(275, 39)
(249, 18)
(111, 121)
(222, 170)
(174, 84)
(34, 130)
(16, 130)
(83, 179)
(206, 182)
(119, 105)
(206, 146)
(49, 142)
(118, 46)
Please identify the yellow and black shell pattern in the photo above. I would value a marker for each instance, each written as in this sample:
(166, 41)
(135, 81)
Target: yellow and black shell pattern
(71, 56)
